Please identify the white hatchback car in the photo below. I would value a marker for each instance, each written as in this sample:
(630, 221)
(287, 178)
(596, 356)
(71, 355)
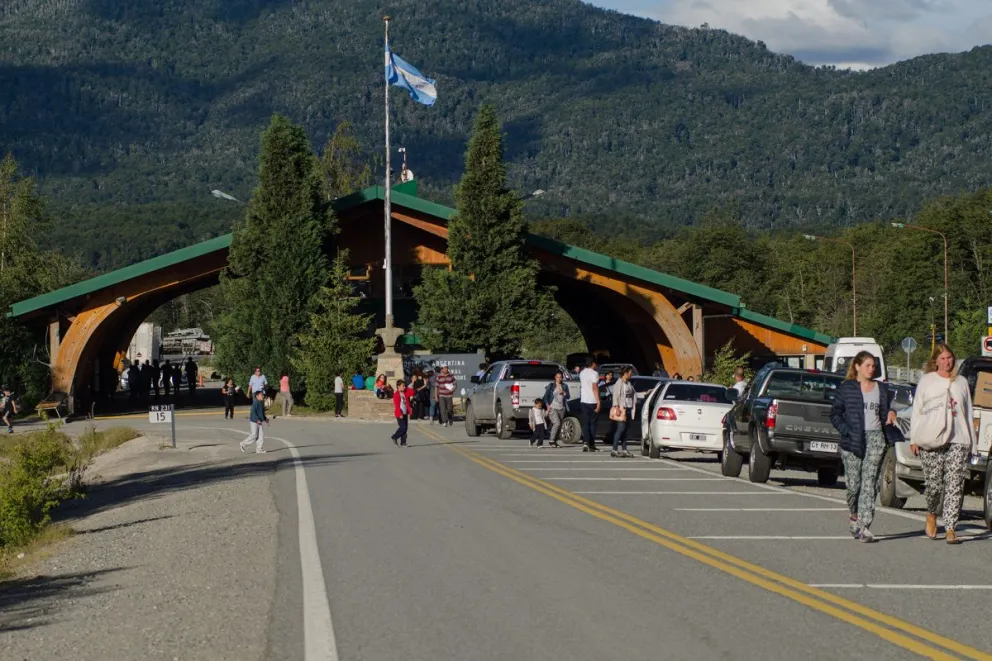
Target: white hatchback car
(684, 415)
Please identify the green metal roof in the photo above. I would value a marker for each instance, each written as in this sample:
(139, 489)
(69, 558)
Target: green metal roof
(405, 195)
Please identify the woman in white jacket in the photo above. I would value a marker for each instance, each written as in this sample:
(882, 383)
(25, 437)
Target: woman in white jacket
(942, 432)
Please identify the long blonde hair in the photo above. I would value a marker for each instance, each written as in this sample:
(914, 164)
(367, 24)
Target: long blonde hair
(931, 365)
(862, 356)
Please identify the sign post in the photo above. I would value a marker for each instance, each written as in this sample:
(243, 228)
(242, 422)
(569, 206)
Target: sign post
(909, 346)
(161, 413)
(987, 346)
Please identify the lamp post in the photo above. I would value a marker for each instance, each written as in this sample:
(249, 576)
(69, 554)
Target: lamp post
(854, 277)
(904, 226)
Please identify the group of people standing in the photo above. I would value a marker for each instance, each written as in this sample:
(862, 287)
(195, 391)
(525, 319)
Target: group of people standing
(942, 433)
(145, 378)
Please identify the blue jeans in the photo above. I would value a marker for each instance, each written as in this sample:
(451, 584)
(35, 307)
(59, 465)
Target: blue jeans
(433, 411)
(588, 416)
(620, 435)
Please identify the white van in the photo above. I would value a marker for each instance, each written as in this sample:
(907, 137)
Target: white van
(840, 354)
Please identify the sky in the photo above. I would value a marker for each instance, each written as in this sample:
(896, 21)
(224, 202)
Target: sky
(859, 34)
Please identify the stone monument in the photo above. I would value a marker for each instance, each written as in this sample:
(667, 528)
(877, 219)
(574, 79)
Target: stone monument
(390, 362)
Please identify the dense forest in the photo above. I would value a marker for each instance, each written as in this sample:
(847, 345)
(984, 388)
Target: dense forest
(129, 112)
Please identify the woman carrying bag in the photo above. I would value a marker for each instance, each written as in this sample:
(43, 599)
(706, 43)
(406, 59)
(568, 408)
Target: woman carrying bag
(556, 397)
(622, 412)
(861, 415)
(942, 432)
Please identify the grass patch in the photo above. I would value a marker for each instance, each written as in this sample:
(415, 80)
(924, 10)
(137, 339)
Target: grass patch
(93, 442)
(12, 558)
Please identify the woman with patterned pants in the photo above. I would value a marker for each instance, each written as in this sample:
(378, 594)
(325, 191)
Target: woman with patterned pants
(942, 432)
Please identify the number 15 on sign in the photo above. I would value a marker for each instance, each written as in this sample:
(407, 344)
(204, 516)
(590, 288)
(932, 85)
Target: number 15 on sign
(163, 413)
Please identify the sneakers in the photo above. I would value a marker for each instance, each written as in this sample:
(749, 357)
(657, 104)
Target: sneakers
(866, 536)
(242, 446)
(853, 526)
(260, 451)
(532, 442)
(615, 454)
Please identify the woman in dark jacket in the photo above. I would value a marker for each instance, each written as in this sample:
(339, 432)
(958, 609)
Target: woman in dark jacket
(556, 398)
(861, 415)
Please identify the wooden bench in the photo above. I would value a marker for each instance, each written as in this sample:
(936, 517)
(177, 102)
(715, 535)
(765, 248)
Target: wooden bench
(57, 401)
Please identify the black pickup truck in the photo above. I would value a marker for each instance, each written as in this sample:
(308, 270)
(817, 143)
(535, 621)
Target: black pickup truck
(783, 419)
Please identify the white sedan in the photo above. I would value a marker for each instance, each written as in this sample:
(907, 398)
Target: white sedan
(684, 415)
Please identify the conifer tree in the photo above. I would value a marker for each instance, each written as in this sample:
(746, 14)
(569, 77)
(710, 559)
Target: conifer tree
(337, 340)
(489, 298)
(277, 262)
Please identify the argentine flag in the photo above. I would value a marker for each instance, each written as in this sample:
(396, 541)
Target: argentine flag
(401, 73)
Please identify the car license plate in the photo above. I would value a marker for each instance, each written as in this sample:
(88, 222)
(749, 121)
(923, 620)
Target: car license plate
(697, 437)
(820, 446)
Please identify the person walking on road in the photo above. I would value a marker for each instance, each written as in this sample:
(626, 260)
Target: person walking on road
(338, 395)
(228, 392)
(285, 395)
(556, 396)
(177, 379)
(861, 415)
(167, 377)
(538, 423)
(257, 383)
(589, 404)
(740, 383)
(401, 409)
(256, 418)
(156, 375)
(446, 396)
(8, 408)
(943, 434)
(622, 411)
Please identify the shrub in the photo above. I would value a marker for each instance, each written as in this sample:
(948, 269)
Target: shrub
(42, 472)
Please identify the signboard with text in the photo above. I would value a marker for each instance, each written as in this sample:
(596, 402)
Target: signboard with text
(158, 413)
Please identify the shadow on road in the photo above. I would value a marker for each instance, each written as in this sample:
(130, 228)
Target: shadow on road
(155, 483)
(26, 603)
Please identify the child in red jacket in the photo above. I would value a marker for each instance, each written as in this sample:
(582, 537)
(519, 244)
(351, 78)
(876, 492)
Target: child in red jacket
(401, 409)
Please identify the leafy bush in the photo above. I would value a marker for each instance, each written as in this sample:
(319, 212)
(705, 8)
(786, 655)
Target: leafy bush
(723, 365)
(42, 471)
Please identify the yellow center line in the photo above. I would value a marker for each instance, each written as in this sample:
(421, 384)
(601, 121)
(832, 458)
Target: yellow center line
(821, 600)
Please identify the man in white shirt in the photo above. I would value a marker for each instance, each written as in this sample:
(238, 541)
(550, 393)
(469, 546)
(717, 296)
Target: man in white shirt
(589, 403)
(338, 395)
(257, 383)
(739, 383)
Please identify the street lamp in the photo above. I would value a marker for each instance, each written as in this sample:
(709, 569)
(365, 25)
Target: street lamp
(854, 277)
(904, 226)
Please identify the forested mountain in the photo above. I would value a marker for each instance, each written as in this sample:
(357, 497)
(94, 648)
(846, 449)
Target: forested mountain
(119, 104)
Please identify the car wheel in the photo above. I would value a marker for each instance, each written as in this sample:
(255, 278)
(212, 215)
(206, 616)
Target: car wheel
(887, 481)
(826, 476)
(502, 431)
(730, 461)
(570, 432)
(759, 464)
(653, 450)
(472, 428)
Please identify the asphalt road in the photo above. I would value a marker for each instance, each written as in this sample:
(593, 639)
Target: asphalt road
(472, 549)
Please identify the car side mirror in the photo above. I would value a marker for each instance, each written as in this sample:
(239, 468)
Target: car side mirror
(475, 379)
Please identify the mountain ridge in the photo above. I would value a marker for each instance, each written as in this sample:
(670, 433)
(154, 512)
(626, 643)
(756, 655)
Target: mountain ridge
(120, 104)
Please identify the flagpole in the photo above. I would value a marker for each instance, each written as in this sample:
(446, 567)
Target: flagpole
(388, 208)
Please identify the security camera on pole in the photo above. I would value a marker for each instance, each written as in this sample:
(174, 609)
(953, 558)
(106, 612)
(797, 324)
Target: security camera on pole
(422, 90)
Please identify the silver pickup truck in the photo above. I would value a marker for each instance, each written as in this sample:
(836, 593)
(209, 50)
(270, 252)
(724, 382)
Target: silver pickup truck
(504, 395)
(783, 418)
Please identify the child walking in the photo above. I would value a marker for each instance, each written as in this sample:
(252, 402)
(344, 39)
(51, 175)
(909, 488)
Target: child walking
(228, 391)
(255, 420)
(537, 423)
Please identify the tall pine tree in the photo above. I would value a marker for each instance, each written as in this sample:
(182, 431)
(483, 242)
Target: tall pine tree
(489, 298)
(277, 263)
(338, 340)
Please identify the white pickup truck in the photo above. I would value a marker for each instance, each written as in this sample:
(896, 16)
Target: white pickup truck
(504, 395)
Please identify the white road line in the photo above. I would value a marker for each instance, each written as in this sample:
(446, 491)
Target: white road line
(319, 643)
(634, 479)
(671, 493)
(760, 509)
(899, 587)
(773, 537)
(772, 487)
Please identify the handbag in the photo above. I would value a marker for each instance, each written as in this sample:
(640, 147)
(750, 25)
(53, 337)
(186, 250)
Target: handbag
(617, 414)
(929, 430)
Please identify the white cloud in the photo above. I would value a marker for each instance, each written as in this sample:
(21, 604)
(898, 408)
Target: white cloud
(857, 33)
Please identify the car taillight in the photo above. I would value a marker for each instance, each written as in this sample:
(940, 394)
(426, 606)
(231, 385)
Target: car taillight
(772, 415)
(978, 425)
(515, 395)
(665, 413)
